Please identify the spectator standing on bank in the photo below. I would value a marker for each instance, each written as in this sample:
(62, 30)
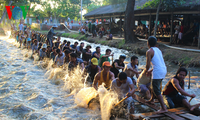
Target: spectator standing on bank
(50, 35)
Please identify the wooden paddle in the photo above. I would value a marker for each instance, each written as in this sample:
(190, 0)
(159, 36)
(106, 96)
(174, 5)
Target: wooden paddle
(121, 101)
(190, 99)
(112, 58)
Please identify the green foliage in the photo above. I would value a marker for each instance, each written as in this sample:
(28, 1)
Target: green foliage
(167, 5)
(112, 2)
(186, 60)
(151, 4)
(65, 34)
(22, 2)
(122, 42)
(35, 29)
(75, 36)
(83, 37)
(92, 7)
(102, 42)
(106, 2)
(60, 8)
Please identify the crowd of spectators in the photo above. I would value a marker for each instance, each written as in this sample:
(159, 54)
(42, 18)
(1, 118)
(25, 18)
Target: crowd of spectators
(184, 33)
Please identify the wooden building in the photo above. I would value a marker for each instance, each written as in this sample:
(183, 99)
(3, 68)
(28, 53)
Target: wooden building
(188, 11)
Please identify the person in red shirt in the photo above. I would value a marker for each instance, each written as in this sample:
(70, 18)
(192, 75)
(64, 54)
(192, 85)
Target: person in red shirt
(174, 93)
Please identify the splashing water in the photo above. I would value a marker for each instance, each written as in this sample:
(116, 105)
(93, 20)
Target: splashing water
(83, 97)
(107, 101)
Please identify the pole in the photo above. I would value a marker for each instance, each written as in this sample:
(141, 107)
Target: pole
(150, 24)
(110, 22)
(189, 81)
(81, 13)
(199, 39)
(120, 26)
(171, 27)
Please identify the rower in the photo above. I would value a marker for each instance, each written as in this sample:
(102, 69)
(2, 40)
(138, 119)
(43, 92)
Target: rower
(92, 70)
(154, 56)
(131, 69)
(42, 52)
(105, 57)
(124, 87)
(118, 64)
(105, 76)
(60, 57)
(74, 62)
(143, 84)
(172, 89)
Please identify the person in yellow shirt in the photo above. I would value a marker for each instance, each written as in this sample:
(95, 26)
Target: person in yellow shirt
(105, 76)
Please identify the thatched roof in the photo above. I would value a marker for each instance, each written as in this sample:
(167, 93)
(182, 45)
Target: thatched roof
(118, 8)
(121, 8)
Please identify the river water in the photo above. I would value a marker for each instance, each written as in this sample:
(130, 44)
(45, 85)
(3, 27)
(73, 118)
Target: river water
(29, 90)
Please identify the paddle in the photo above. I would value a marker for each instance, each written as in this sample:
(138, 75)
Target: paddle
(121, 101)
(112, 57)
(190, 99)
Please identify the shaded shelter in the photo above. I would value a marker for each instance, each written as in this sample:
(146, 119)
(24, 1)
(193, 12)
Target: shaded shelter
(187, 12)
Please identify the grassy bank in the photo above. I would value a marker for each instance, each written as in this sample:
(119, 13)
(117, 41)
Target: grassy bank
(75, 36)
(181, 58)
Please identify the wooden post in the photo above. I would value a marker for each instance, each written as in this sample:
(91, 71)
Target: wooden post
(150, 24)
(102, 21)
(199, 39)
(157, 15)
(171, 28)
(110, 22)
(120, 26)
(189, 81)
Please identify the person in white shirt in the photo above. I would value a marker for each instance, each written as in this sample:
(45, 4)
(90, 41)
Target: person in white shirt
(131, 69)
(124, 87)
(21, 26)
(60, 58)
(35, 47)
(177, 29)
(42, 52)
(154, 56)
(28, 31)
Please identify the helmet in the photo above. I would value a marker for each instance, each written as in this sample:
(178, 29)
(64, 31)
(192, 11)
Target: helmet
(122, 56)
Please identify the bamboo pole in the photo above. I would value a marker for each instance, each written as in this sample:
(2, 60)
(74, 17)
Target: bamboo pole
(199, 39)
(171, 28)
(121, 101)
(189, 81)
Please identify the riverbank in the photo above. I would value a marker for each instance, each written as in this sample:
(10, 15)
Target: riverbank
(178, 57)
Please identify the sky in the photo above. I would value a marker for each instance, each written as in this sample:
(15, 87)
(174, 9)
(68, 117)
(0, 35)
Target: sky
(39, 6)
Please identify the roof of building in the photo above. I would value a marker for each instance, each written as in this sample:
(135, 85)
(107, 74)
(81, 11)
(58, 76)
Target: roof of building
(117, 8)
(121, 8)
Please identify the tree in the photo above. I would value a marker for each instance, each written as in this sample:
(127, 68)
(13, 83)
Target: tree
(157, 15)
(92, 7)
(130, 23)
(129, 18)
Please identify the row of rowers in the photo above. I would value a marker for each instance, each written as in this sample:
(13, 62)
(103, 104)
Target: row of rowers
(100, 71)
(148, 82)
